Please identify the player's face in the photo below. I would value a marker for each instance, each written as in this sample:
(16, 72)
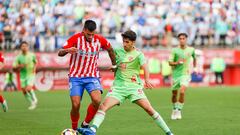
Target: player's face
(182, 40)
(24, 48)
(88, 34)
(128, 45)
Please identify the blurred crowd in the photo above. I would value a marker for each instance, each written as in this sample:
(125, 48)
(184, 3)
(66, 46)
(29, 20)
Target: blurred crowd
(46, 24)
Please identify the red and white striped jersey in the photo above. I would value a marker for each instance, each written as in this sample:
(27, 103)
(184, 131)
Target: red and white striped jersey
(84, 62)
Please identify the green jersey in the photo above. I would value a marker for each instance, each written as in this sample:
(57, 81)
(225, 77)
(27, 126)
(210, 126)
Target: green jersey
(218, 65)
(29, 60)
(185, 55)
(128, 70)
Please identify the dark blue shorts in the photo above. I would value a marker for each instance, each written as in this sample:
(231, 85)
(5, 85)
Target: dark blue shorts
(77, 85)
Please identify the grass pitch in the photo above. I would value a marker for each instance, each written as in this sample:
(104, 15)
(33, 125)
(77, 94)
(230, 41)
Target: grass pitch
(207, 111)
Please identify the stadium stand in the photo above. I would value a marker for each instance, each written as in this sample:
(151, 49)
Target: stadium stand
(210, 23)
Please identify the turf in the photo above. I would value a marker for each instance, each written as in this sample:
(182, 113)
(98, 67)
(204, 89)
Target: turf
(207, 111)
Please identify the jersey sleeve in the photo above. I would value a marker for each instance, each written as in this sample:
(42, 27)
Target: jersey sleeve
(142, 59)
(105, 44)
(16, 61)
(172, 56)
(71, 42)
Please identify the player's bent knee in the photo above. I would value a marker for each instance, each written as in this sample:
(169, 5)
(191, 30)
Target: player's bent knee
(96, 102)
(103, 107)
(28, 88)
(75, 105)
(174, 93)
(182, 91)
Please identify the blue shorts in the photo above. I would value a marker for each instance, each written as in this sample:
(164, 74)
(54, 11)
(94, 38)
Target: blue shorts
(77, 85)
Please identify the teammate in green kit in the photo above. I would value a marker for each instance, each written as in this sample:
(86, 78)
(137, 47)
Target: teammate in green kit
(180, 60)
(127, 85)
(10, 86)
(26, 64)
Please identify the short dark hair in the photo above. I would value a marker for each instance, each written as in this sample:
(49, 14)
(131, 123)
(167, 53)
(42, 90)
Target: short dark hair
(90, 25)
(131, 35)
(23, 42)
(182, 34)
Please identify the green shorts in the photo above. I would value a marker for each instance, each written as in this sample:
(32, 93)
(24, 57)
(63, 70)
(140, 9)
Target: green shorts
(28, 81)
(180, 81)
(123, 93)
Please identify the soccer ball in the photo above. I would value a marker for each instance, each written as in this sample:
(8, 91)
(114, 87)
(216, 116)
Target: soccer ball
(69, 132)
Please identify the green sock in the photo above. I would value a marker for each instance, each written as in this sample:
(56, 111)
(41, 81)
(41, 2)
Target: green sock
(160, 122)
(98, 119)
(180, 106)
(175, 106)
(28, 97)
(33, 95)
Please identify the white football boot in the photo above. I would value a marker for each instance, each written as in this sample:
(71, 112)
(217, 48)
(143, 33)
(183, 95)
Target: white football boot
(174, 114)
(179, 115)
(33, 105)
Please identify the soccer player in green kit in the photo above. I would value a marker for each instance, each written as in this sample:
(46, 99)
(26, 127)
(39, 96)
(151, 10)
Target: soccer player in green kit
(26, 64)
(180, 60)
(127, 85)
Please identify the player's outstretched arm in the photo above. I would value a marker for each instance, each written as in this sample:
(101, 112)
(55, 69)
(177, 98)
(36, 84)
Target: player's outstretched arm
(146, 76)
(18, 67)
(176, 63)
(63, 52)
(112, 57)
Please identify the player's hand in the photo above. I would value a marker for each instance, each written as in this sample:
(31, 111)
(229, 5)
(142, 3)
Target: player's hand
(20, 66)
(148, 84)
(181, 61)
(72, 50)
(195, 70)
(113, 68)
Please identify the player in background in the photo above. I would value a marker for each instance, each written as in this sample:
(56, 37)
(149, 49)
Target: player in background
(180, 59)
(26, 62)
(2, 100)
(127, 85)
(10, 85)
(84, 48)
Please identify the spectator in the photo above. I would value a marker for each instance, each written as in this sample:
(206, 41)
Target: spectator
(7, 34)
(157, 22)
(221, 32)
(218, 66)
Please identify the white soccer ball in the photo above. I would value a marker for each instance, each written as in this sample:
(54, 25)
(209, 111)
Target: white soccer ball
(69, 132)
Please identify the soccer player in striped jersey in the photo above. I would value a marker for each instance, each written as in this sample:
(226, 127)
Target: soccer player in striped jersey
(2, 100)
(84, 48)
(180, 60)
(127, 85)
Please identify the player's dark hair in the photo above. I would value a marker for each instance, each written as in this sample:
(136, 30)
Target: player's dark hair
(131, 35)
(182, 34)
(23, 42)
(90, 25)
